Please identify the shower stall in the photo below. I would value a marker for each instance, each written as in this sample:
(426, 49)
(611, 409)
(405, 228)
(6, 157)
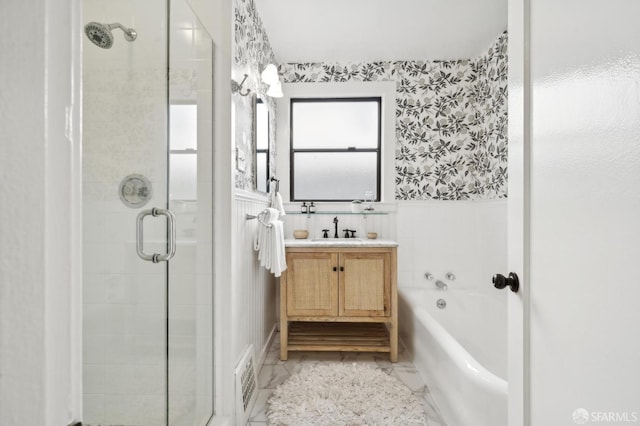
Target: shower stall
(147, 214)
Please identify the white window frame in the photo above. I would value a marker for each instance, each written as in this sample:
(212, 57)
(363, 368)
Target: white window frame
(386, 90)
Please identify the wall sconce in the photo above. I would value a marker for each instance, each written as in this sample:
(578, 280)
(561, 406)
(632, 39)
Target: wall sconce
(272, 79)
(237, 88)
(275, 90)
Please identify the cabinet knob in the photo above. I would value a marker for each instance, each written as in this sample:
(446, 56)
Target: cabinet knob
(335, 269)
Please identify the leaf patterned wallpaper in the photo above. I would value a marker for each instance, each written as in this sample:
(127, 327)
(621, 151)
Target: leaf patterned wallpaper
(451, 121)
(252, 53)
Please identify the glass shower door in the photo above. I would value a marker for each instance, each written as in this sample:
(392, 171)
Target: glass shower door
(190, 313)
(147, 332)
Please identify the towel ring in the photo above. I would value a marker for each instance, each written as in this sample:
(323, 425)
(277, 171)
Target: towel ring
(258, 217)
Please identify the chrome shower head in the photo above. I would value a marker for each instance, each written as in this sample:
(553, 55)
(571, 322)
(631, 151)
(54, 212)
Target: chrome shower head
(101, 36)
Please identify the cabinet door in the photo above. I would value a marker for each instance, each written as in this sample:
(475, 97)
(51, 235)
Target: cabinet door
(312, 284)
(365, 284)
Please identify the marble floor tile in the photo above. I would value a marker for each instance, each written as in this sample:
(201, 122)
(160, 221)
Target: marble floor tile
(259, 411)
(431, 410)
(273, 356)
(274, 372)
(271, 376)
(410, 377)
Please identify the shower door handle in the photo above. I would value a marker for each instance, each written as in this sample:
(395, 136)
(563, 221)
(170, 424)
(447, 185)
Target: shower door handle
(171, 246)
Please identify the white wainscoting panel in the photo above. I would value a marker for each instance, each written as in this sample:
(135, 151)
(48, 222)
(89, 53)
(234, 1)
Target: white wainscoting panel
(254, 300)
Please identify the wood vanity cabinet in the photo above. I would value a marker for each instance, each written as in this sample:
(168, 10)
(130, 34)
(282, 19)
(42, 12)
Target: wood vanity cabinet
(339, 299)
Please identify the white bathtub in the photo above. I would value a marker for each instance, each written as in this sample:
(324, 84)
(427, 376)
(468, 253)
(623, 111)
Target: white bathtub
(461, 352)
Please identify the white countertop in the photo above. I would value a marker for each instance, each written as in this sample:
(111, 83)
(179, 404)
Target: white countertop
(339, 242)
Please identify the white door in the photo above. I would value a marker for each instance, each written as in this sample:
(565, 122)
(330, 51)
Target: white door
(574, 212)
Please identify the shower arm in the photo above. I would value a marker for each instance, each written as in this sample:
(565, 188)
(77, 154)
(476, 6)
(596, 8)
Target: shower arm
(129, 33)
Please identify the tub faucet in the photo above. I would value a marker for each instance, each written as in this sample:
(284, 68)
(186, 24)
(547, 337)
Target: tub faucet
(441, 285)
(335, 223)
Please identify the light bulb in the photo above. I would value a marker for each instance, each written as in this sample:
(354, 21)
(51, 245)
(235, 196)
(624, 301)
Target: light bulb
(270, 75)
(275, 90)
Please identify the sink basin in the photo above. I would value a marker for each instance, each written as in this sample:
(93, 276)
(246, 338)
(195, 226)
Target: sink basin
(336, 240)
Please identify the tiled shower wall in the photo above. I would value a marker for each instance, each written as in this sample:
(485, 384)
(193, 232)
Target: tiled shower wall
(124, 127)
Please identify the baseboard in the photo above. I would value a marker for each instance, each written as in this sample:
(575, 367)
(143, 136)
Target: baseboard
(220, 421)
(265, 349)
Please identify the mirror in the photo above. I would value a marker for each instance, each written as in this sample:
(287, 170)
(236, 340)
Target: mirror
(261, 143)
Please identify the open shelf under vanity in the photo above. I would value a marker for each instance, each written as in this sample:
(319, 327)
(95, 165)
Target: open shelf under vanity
(338, 336)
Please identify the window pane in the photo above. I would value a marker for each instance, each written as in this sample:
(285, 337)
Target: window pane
(335, 124)
(183, 176)
(183, 127)
(334, 176)
(262, 126)
(261, 171)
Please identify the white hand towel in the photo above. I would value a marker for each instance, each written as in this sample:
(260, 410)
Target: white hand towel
(278, 260)
(258, 239)
(269, 242)
(278, 205)
(274, 237)
(261, 238)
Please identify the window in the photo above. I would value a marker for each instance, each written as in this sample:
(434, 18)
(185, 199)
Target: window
(183, 154)
(335, 148)
(262, 145)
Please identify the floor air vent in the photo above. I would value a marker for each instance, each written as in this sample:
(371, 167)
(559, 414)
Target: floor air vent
(246, 386)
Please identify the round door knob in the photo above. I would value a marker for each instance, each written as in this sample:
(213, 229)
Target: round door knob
(500, 281)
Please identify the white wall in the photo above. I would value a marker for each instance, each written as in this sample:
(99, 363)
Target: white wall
(381, 29)
(382, 221)
(582, 132)
(40, 294)
(467, 238)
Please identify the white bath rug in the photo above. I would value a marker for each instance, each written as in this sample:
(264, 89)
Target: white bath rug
(343, 394)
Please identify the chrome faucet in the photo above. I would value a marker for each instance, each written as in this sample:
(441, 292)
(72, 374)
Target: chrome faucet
(441, 285)
(335, 222)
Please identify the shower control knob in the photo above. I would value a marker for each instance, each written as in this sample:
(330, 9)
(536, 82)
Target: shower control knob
(500, 282)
